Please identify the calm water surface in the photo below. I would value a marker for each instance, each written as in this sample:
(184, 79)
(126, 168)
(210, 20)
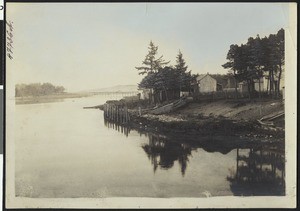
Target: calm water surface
(63, 150)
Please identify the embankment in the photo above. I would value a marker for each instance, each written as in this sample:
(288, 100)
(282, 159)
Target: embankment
(217, 118)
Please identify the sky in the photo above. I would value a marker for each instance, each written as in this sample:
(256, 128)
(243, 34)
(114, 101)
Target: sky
(97, 45)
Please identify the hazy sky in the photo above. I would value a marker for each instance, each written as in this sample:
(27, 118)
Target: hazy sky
(87, 46)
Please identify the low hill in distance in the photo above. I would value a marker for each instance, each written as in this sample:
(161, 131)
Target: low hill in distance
(118, 88)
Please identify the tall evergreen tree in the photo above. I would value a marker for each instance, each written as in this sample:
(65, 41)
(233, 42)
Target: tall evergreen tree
(184, 76)
(255, 59)
(249, 61)
(272, 62)
(151, 63)
(232, 64)
(280, 55)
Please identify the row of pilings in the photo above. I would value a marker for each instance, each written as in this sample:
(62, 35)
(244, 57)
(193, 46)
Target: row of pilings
(116, 113)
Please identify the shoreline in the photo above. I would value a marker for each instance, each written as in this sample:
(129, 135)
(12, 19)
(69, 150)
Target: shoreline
(216, 142)
(208, 127)
(192, 126)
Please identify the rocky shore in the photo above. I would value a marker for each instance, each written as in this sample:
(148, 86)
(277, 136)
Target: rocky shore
(207, 119)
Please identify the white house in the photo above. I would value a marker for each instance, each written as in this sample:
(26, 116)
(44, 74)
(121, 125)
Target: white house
(207, 83)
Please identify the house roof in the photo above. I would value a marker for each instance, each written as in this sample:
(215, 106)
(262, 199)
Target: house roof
(221, 79)
(201, 76)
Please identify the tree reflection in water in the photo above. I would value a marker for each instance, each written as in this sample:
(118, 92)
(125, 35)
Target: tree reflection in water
(161, 151)
(258, 172)
(164, 153)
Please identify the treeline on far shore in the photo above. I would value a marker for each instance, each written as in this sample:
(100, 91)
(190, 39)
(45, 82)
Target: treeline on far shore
(37, 89)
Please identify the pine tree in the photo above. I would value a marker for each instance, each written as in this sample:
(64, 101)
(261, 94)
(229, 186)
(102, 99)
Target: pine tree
(184, 76)
(232, 57)
(255, 59)
(151, 63)
(280, 55)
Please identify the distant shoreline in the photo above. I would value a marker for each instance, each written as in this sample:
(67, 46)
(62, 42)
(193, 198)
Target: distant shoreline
(48, 98)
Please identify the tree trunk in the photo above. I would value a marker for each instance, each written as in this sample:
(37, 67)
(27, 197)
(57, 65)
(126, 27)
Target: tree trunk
(259, 88)
(167, 99)
(180, 90)
(273, 84)
(268, 84)
(279, 77)
(236, 92)
(151, 98)
(249, 92)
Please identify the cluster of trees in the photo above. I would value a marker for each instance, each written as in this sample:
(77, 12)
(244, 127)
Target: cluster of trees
(37, 89)
(161, 77)
(258, 57)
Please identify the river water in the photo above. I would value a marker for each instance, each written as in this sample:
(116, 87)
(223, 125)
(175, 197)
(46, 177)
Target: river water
(63, 150)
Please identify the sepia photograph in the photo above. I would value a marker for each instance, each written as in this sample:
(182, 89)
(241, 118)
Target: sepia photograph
(150, 105)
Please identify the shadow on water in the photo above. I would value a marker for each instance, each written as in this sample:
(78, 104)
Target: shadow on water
(259, 170)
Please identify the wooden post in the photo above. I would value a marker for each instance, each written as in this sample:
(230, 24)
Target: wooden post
(126, 115)
(106, 111)
(121, 115)
(123, 111)
(107, 114)
(110, 112)
(110, 116)
(117, 113)
(114, 114)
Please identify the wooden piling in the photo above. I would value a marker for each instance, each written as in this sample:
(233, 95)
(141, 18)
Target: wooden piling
(116, 113)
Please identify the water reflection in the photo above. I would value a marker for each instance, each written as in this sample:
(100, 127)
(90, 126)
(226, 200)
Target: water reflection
(258, 172)
(119, 127)
(164, 153)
